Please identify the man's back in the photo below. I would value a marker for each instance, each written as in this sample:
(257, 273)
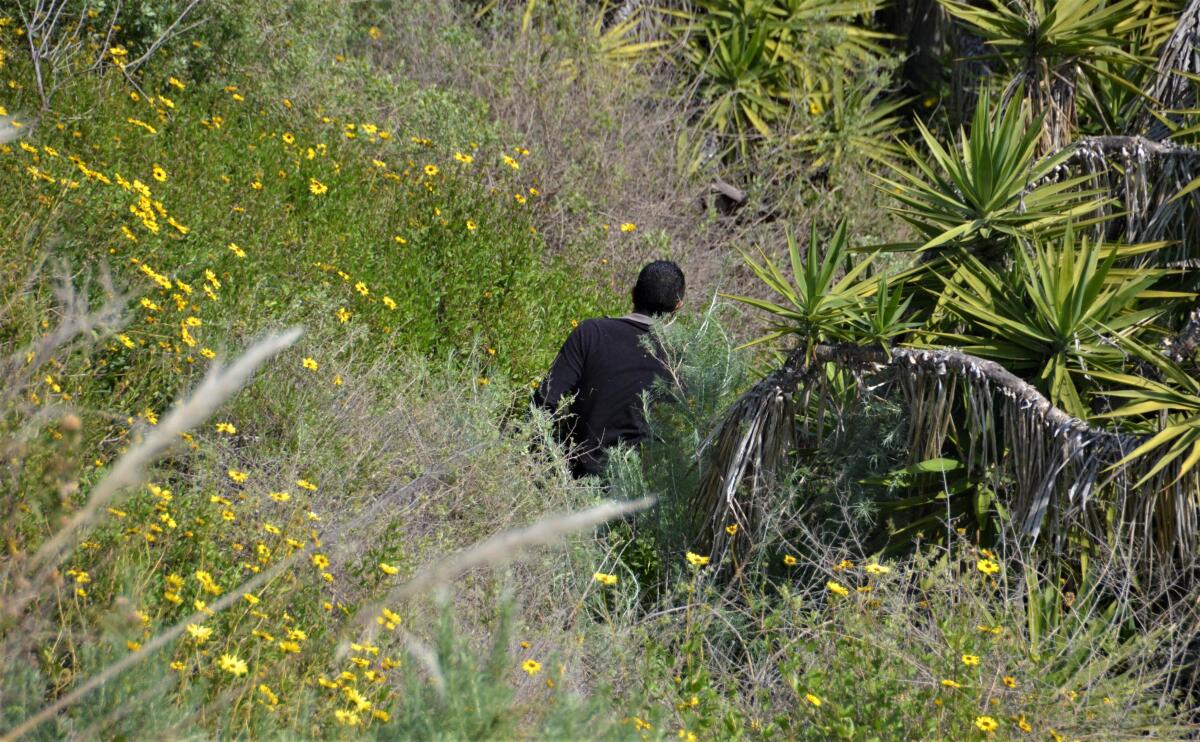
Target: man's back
(604, 364)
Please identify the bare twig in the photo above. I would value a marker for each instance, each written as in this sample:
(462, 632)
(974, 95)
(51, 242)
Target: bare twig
(164, 37)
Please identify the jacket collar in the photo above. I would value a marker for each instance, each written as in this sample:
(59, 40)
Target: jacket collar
(639, 318)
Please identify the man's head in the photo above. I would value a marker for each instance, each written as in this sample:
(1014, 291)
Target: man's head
(659, 289)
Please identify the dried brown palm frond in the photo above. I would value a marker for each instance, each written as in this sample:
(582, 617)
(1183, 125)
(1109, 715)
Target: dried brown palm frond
(1150, 181)
(1058, 477)
(748, 447)
(1171, 88)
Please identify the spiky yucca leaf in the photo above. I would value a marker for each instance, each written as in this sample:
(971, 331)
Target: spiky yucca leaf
(854, 123)
(1054, 315)
(1048, 44)
(990, 190)
(820, 305)
(1168, 407)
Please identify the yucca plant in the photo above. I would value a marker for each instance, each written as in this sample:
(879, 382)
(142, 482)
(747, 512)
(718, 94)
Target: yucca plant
(991, 190)
(744, 87)
(852, 123)
(1049, 45)
(613, 45)
(755, 59)
(1055, 315)
(821, 306)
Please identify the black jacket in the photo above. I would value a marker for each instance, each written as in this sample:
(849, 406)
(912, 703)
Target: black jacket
(604, 364)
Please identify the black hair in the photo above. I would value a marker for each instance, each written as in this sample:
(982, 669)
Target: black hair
(659, 288)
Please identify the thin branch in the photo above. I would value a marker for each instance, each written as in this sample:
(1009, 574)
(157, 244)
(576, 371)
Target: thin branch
(162, 39)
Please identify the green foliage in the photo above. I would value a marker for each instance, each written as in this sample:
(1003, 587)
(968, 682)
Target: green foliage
(395, 249)
(937, 672)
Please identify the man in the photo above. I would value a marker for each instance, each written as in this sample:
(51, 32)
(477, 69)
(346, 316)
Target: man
(604, 364)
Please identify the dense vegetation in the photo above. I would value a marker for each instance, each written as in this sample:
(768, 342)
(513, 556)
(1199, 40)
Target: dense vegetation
(948, 491)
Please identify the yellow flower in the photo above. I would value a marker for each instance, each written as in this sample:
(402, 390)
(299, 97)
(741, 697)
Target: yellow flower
(199, 633)
(814, 700)
(512, 163)
(159, 174)
(431, 170)
(814, 107)
(389, 302)
(238, 476)
(837, 588)
(471, 225)
(348, 718)
(877, 569)
(316, 187)
(309, 364)
(464, 159)
(986, 724)
(1010, 681)
(789, 560)
(343, 315)
(987, 566)
(250, 598)
(532, 667)
(388, 569)
(388, 619)
(320, 561)
(605, 579)
(696, 560)
(1024, 725)
(304, 484)
(279, 496)
(239, 252)
(628, 227)
(374, 33)
(176, 83)
(288, 137)
(970, 660)
(951, 684)
(226, 428)
(731, 529)
(361, 288)
(232, 665)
